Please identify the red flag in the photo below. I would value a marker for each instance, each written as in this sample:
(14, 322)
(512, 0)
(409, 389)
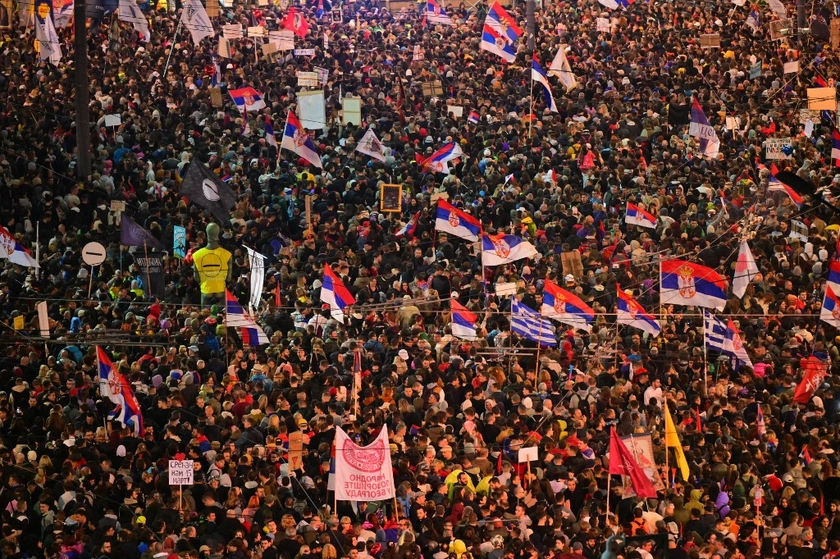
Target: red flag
(499, 463)
(277, 295)
(623, 464)
(295, 21)
(815, 371)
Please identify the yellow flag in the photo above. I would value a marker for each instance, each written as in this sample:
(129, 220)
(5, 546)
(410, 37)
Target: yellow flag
(672, 440)
(20, 322)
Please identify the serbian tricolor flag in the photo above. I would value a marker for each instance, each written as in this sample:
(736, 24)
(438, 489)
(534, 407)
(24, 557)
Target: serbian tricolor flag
(114, 386)
(639, 216)
(835, 147)
(686, 283)
(631, 313)
(463, 321)
(474, 117)
(409, 228)
(335, 294)
(775, 185)
(237, 317)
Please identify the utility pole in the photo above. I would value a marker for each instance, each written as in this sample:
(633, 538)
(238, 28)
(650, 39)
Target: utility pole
(82, 94)
(530, 24)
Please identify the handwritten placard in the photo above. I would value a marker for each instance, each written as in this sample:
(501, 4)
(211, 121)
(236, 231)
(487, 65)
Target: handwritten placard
(307, 79)
(232, 31)
(181, 472)
(304, 52)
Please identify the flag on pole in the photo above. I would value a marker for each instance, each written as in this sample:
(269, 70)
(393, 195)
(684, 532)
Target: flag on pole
(436, 14)
(502, 249)
(637, 215)
(450, 219)
(134, 235)
(237, 317)
(335, 294)
(297, 140)
(714, 332)
(622, 463)
(745, 270)
(686, 283)
(63, 13)
(734, 346)
(830, 311)
(195, 19)
(208, 191)
(562, 70)
(500, 33)
(370, 145)
(463, 321)
(47, 39)
(835, 147)
(538, 75)
(270, 137)
(296, 23)
(565, 307)
(776, 185)
(130, 13)
(754, 19)
(445, 154)
(631, 313)
(529, 324)
(474, 117)
(609, 4)
(672, 440)
(114, 386)
(247, 99)
(834, 274)
(257, 262)
(16, 253)
(702, 129)
(815, 371)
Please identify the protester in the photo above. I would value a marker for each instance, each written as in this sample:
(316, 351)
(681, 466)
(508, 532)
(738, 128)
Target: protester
(606, 189)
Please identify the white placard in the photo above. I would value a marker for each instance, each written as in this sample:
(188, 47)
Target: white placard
(602, 25)
(352, 110)
(506, 289)
(304, 52)
(312, 109)
(529, 454)
(284, 39)
(323, 74)
(117, 205)
(180, 472)
(456, 110)
(307, 79)
(792, 67)
(256, 31)
(113, 120)
(775, 148)
(232, 31)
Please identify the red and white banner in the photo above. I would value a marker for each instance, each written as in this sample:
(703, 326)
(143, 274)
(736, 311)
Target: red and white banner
(363, 473)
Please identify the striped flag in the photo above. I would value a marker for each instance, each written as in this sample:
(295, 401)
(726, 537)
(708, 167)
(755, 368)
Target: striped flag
(238, 317)
(528, 324)
(835, 147)
(474, 117)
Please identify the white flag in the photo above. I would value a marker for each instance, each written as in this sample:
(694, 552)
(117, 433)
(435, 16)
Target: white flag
(561, 68)
(745, 270)
(43, 319)
(195, 18)
(363, 473)
(370, 145)
(130, 13)
(778, 7)
(48, 40)
(257, 261)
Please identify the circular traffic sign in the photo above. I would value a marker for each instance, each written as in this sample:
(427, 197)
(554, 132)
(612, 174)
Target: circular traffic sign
(93, 254)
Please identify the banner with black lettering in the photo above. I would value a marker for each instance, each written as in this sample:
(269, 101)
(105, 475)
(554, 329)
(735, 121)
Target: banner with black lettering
(363, 473)
(151, 271)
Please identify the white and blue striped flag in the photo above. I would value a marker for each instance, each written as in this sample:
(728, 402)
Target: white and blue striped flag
(528, 324)
(714, 332)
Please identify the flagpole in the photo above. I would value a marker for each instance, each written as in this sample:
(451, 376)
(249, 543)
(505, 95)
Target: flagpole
(99, 378)
(705, 356)
(148, 278)
(172, 49)
(539, 347)
(531, 115)
(38, 250)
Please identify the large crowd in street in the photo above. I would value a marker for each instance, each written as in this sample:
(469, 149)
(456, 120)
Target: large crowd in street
(761, 474)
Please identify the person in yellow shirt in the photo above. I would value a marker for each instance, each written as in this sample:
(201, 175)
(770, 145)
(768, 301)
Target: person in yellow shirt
(212, 268)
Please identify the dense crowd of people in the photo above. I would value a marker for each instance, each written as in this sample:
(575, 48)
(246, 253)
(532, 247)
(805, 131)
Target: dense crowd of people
(763, 468)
